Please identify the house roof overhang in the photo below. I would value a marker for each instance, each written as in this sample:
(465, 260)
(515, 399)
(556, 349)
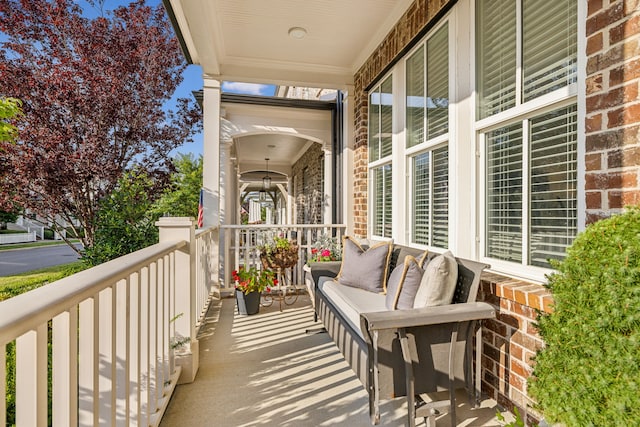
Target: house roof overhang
(249, 40)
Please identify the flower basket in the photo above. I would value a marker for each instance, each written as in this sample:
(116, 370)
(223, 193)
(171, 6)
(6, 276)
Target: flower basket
(279, 258)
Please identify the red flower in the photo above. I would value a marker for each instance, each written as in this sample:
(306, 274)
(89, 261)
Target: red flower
(275, 282)
(314, 251)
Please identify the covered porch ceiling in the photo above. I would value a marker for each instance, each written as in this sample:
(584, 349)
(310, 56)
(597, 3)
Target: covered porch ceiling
(250, 40)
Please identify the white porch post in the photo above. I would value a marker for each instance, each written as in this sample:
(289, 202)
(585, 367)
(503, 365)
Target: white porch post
(347, 158)
(176, 229)
(327, 201)
(211, 151)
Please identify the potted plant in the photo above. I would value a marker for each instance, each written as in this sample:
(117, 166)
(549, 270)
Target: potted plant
(250, 283)
(326, 248)
(279, 253)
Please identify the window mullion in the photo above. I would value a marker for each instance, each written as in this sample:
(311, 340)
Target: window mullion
(431, 222)
(526, 186)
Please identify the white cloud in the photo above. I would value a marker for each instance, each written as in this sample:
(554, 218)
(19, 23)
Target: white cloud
(247, 88)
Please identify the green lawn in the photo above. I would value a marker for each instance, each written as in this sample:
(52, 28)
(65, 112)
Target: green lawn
(11, 286)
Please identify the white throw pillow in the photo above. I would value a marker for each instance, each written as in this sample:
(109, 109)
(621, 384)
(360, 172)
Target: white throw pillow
(438, 282)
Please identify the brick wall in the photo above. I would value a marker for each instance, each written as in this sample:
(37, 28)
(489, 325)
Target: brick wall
(612, 123)
(309, 203)
(416, 18)
(511, 340)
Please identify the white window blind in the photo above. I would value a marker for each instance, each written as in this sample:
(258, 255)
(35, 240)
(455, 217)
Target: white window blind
(549, 46)
(380, 120)
(430, 224)
(504, 193)
(382, 199)
(438, 83)
(495, 55)
(553, 175)
(416, 104)
(550, 180)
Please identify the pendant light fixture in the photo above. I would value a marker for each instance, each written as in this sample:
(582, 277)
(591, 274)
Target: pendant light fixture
(266, 181)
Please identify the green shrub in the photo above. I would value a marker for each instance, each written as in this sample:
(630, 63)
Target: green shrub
(48, 234)
(589, 371)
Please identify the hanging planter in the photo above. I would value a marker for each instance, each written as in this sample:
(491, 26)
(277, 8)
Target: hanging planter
(279, 254)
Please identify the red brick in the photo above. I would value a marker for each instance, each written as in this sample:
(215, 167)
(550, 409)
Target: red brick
(520, 368)
(593, 161)
(621, 199)
(594, 43)
(630, 70)
(628, 114)
(605, 18)
(623, 158)
(594, 201)
(525, 311)
(612, 139)
(593, 123)
(613, 98)
(593, 7)
(491, 352)
(532, 330)
(497, 327)
(516, 351)
(611, 181)
(528, 342)
(517, 382)
(594, 84)
(508, 320)
(626, 29)
(590, 219)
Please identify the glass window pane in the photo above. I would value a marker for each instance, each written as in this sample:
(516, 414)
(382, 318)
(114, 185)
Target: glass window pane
(421, 198)
(495, 56)
(382, 200)
(374, 126)
(549, 52)
(440, 215)
(386, 117)
(415, 98)
(438, 83)
(553, 164)
(388, 201)
(504, 193)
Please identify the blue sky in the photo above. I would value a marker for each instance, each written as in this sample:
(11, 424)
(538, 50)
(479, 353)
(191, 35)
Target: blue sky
(192, 77)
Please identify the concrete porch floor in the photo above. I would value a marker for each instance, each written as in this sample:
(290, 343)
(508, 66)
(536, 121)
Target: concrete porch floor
(264, 370)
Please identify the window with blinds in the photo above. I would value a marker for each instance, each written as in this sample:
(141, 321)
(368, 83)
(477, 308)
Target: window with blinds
(382, 200)
(438, 83)
(549, 53)
(549, 147)
(380, 120)
(504, 193)
(495, 56)
(416, 102)
(553, 176)
(430, 187)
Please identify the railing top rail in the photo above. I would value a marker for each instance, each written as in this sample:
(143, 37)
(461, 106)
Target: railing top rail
(24, 312)
(202, 231)
(268, 226)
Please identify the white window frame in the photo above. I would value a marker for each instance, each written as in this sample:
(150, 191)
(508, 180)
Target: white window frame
(521, 113)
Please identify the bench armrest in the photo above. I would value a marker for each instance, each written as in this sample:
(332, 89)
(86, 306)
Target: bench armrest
(452, 313)
(327, 268)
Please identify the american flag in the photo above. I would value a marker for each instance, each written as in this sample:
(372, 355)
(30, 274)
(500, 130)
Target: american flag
(201, 209)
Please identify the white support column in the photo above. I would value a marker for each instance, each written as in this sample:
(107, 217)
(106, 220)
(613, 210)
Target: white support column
(347, 158)
(211, 151)
(175, 229)
(327, 201)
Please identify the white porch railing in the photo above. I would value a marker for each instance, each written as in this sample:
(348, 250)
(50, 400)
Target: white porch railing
(17, 238)
(242, 242)
(108, 334)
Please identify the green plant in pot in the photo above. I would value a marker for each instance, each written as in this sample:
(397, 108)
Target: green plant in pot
(589, 371)
(249, 284)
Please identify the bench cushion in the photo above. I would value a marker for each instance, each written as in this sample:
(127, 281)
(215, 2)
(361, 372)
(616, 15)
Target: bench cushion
(350, 302)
